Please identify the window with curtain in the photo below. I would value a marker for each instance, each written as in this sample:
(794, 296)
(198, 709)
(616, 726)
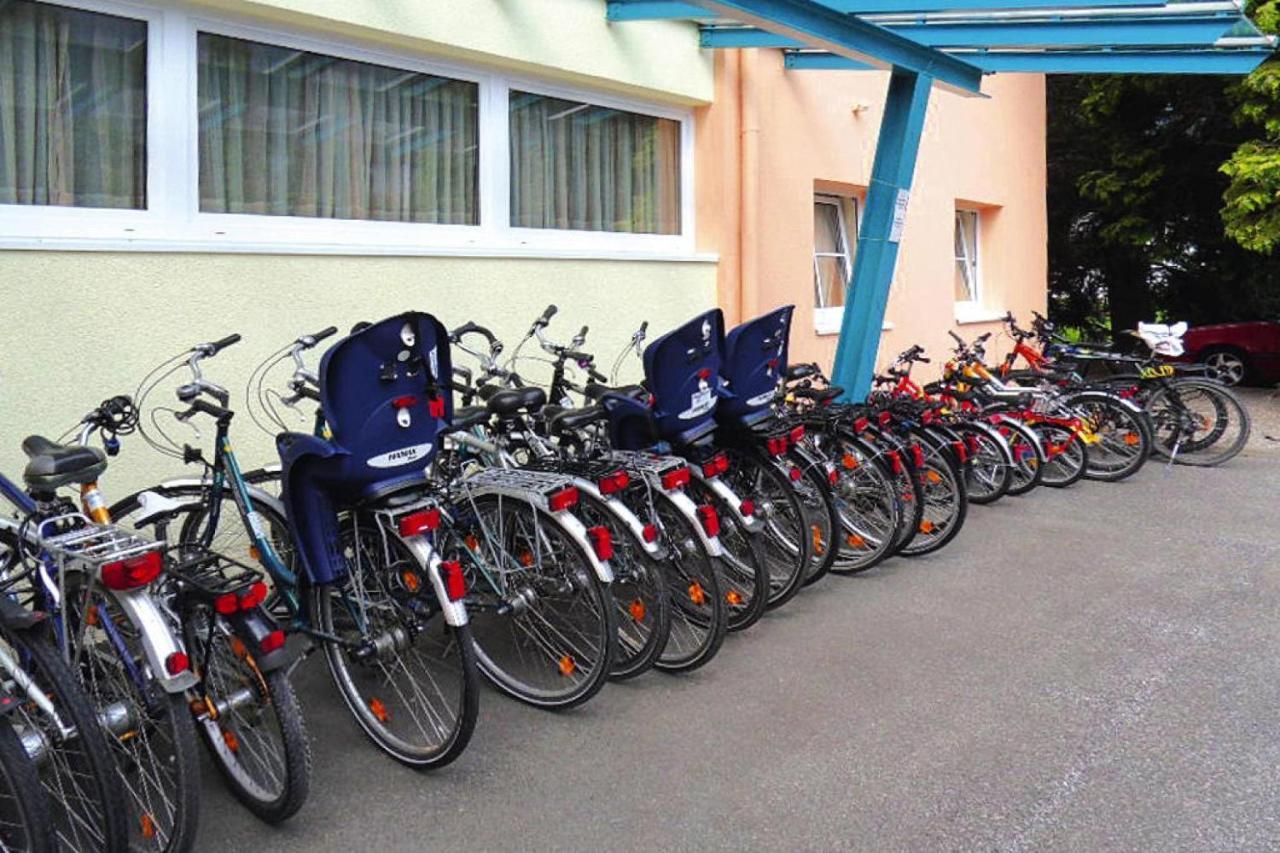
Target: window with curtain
(832, 253)
(73, 107)
(286, 132)
(967, 256)
(582, 167)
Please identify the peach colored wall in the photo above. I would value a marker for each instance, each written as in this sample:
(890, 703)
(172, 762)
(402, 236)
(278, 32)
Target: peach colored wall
(793, 131)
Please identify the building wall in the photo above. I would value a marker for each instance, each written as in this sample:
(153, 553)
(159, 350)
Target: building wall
(83, 325)
(774, 137)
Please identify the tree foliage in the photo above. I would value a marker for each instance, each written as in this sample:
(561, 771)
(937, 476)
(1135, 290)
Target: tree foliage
(1164, 195)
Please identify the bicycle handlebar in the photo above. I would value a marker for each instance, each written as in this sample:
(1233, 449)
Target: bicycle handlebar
(217, 346)
(308, 341)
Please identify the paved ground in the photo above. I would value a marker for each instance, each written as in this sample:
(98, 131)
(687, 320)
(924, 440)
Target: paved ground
(1094, 668)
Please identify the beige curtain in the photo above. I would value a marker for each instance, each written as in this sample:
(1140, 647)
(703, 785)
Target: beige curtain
(588, 168)
(290, 133)
(72, 107)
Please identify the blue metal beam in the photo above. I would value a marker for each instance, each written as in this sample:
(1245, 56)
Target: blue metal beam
(821, 27)
(886, 208)
(1126, 32)
(651, 10)
(1190, 61)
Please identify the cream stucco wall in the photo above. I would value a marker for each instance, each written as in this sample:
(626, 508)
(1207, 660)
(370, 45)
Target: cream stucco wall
(568, 40)
(773, 137)
(80, 327)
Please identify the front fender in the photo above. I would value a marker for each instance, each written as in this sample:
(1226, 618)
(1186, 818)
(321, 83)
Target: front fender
(158, 640)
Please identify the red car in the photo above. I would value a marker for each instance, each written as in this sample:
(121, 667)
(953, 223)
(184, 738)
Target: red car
(1236, 352)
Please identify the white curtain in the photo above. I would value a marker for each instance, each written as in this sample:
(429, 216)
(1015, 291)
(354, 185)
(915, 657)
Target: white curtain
(291, 133)
(588, 168)
(73, 107)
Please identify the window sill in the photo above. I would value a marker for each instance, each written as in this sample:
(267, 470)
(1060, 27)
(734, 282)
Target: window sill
(290, 247)
(826, 322)
(968, 313)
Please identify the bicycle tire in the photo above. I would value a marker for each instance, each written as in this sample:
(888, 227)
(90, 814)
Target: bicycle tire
(785, 540)
(1221, 396)
(1067, 456)
(991, 470)
(740, 570)
(699, 618)
(1118, 426)
(814, 490)
(26, 822)
(867, 504)
(946, 504)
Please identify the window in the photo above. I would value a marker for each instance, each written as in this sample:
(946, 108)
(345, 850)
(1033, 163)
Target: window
(835, 226)
(587, 168)
(73, 107)
(967, 280)
(165, 129)
(291, 133)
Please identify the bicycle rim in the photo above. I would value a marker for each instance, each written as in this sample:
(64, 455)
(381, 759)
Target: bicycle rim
(699, 616)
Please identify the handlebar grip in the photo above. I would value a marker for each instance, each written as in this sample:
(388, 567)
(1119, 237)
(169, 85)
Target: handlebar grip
(923, 360)
(322, 334)
(203, 406)
(548, 314)
(218, 346)
(644, 327)
(309, 393)
(582, 334)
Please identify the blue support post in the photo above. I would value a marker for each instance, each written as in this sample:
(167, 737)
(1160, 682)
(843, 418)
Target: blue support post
(886, 207)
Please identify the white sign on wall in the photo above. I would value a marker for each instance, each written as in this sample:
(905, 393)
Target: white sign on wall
(899, 215)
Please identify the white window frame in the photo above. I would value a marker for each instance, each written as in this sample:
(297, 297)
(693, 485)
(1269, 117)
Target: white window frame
(827, 320)
(173, 221)
(972, 264)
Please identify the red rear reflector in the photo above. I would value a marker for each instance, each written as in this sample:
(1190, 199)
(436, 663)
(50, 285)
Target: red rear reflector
(614, 483)
(795, 474)
(777, 446)
(895, 459)
(256, 595)
(404, 402)
(833, 477)
(961, 453)
(677, 478)
(747, 508)
(226, 604)
(917, 454)
(273, 641)
(417, 523)
(563, 499)
(133, 572)
(455, 582)
(885, 417)
(650, 533)
(177, 662)
(704, 373)
(435, 407)
(861, 424)
(601, 542)
(797, 433)
(716, 465)
(710, 519)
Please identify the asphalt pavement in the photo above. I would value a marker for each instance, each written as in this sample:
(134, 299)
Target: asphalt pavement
(1095, 668)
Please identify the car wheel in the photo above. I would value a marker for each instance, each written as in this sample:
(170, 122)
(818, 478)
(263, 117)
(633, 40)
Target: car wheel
(1227, 366)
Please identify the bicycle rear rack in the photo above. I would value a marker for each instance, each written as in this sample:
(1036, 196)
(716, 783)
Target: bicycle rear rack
(92, 546)
(211, 574)
(522, 483)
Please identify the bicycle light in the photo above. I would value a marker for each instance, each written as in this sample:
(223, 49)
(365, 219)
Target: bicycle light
(613, 483)
(777, 446)
(710, 519)
(455, 582)
(132, 572)
(271, 642)
(676, 478)
(177, 663)
(601, 542)
(416, 523)
(717, 465)
(563, 499)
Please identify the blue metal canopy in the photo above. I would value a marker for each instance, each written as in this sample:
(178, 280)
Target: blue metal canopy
(954, 43)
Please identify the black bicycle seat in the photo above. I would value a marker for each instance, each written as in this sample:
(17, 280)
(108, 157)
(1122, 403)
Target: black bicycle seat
(53, 465)
(508, 401)
(594, 390)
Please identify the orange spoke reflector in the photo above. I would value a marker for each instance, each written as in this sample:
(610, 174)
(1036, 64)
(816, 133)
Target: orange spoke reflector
(637, 610)
(818, 547)
(733, 597)
(567, 666)
(238, 648)
(378, 709)
(855, 541)
(232, 742)
(697, 594)
(254, 552)
(1131, 438)
(473, 544)
(411, 580)
(526, 559)
(148, 826)
(926, 526)
(849, 461)
(91, 616)
(934, 477)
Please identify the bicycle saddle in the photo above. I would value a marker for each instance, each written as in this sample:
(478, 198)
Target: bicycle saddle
(567, 420)
(800, 371)
(819, 394)
(54, 465)
(468, 417)
(508, 401)
(594, 391)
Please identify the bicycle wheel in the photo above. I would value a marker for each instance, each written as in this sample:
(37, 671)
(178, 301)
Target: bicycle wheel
(1067, 458)
(699, 612)
(1199, 422)
(740, 570)
(1028, 455)
(250, 721)
(544, 624)
(150, 731)
(786, 543)
(1123, 445)
(990, 471)
(814, 491)
(639, 594)
(407, 676)
(897, 462)
(25, 822)
(868, 506)
(945, 502)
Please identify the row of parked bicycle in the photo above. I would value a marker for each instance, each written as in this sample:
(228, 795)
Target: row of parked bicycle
(433, 523)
